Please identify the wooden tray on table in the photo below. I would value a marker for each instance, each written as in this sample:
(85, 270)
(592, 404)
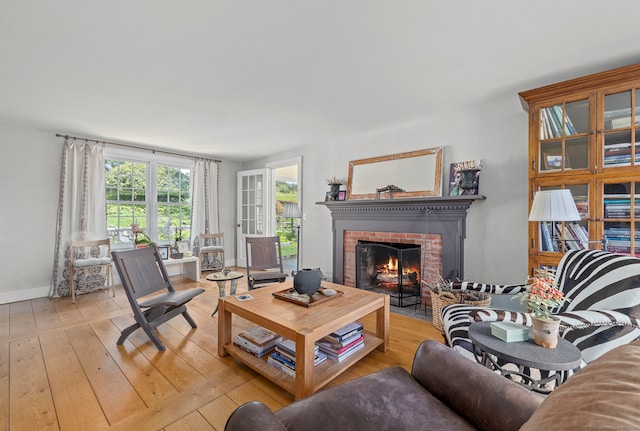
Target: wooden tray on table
(291, 295)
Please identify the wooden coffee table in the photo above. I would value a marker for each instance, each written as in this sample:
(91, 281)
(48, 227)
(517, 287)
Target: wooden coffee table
(304, 326)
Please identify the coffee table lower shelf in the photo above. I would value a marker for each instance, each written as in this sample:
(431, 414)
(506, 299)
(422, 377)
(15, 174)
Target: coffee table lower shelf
(323, 373)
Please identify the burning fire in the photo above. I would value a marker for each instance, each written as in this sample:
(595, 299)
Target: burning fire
(392, 265)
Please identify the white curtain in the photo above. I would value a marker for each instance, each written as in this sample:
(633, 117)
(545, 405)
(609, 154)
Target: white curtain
(205, 205)
(81, 208)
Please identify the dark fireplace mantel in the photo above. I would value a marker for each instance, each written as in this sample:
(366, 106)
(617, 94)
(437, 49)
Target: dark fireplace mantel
(444, 216)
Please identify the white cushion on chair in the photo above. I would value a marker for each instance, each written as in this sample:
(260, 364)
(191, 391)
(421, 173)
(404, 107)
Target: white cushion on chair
(211, 248)
(92, 261)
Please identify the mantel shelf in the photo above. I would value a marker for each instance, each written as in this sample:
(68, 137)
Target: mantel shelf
(407, 203)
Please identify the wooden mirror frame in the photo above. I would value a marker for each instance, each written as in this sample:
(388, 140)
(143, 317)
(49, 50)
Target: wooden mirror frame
(419, 173)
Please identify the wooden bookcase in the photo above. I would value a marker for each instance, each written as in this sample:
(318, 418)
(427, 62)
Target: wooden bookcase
(584, 135)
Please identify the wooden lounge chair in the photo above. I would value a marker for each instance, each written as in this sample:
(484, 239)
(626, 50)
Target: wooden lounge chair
(264, 261)
(143, 275)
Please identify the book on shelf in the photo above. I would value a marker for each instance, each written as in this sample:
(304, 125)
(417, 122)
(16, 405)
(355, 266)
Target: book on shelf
(546, 241)
(257, 340)
(280, 366)
(289, 346)
(619, 123)
(259, 335)
(344, 355)
(291, 359)
(252, 348)
(552, 124)
(339, 348)
(284, 357)
(346, 331)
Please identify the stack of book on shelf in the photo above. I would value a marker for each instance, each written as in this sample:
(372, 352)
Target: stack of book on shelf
(619, 206)
(342, 343)
(284, 357)
(617, 154)
(257, 340)
(618, 238)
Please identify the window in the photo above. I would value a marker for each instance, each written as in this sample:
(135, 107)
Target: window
(126, 199)
(155, 194)
(174, 203)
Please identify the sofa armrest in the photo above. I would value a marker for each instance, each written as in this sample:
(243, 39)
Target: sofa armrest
(253, 416)
(578, 319)
(496, 289)
(473, 391)
(496, 315)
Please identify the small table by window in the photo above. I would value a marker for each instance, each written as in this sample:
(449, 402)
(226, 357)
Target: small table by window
(221, 279)
(524, 354)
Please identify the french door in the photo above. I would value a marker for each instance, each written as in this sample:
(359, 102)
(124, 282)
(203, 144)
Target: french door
(254, 209)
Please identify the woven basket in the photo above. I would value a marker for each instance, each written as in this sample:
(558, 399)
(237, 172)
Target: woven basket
(440, 300)
(484, 301)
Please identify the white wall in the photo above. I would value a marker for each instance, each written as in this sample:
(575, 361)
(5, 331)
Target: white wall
(29, 179)
(496, 243)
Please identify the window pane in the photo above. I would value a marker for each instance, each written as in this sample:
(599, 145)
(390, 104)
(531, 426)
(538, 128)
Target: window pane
(173, 188)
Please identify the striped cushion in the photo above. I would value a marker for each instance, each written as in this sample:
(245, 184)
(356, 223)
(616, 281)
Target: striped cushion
(506, 289)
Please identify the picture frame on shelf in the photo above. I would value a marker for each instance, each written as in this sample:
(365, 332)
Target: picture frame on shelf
(552, 161)
(164, 251)
(342, 195)
(182, 246)
(175, 253)
(464, 178)
(327, 197)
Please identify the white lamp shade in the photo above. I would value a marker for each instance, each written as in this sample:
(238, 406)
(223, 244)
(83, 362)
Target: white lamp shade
(291, 210)
(554, 205)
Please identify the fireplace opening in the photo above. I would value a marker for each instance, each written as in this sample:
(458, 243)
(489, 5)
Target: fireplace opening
(389, 268)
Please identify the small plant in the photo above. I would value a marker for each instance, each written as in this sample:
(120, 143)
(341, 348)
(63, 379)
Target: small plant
(543, 297)
(335, 180)
(139, 237)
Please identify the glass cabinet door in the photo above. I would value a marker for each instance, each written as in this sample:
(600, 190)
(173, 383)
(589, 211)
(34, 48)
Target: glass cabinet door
(564, 137)
(621, 206)
(560, 236)
(621, 131)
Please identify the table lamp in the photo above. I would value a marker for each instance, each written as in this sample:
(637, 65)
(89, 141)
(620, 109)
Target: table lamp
(553, 206)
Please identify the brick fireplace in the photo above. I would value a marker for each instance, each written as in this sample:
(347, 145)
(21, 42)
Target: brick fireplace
(437, 224)
(430, 246)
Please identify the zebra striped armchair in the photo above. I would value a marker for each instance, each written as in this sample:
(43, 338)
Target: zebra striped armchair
(604, 311)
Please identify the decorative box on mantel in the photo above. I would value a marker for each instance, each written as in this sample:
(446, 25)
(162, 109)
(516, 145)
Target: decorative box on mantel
(445, 216)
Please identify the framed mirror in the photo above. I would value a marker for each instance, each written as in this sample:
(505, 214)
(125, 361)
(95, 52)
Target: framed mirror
(417, 173)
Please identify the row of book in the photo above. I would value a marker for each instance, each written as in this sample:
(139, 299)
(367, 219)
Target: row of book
(551, 124)
(618, 239)
(619, 154)
(337, 346)
(620, 207)
(574, 236)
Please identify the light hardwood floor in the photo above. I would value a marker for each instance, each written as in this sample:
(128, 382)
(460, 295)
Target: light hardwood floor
(60, 367)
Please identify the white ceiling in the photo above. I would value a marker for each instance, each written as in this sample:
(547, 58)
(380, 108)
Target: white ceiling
(241, 79)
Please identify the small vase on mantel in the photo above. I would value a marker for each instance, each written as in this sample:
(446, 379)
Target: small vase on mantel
(546, 331)
(333, 191)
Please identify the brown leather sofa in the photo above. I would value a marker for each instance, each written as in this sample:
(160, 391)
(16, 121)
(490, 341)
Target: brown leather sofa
(447, 391)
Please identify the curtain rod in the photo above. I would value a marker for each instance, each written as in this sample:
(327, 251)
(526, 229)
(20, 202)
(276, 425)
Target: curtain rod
(137, 148)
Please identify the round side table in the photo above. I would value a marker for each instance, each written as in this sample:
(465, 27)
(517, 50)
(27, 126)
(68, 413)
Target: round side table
(524, 354)
(221, 279)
